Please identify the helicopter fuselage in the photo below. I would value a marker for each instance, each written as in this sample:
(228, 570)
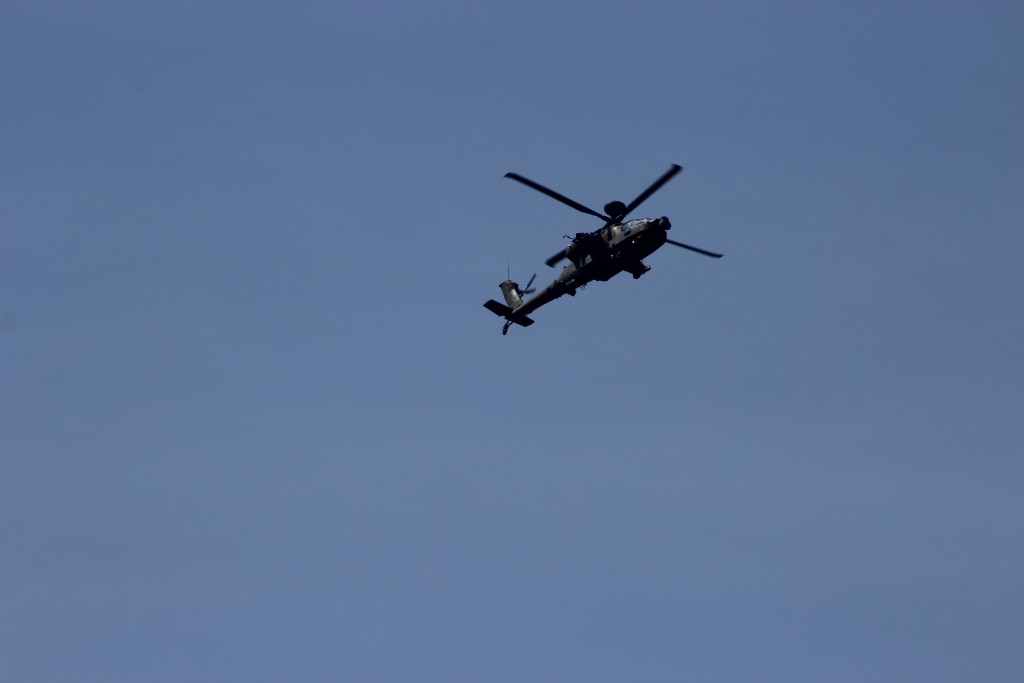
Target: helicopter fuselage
(601, 255)
(617, 248)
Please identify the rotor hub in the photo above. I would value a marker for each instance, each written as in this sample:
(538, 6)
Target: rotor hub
(615, 209)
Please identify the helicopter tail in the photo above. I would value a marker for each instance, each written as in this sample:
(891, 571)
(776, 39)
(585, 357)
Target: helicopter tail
(513, 302)
(513, 297)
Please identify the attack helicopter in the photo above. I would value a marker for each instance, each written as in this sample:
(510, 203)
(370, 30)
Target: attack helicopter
(617, 246)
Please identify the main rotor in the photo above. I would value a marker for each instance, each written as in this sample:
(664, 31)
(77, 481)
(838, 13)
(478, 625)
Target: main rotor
(614, 211)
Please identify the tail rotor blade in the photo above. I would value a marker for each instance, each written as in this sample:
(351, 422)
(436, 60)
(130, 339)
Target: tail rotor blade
(696, 249)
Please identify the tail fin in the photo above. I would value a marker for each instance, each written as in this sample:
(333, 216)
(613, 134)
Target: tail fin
(512, 296)
(514, 293)
(513, 302)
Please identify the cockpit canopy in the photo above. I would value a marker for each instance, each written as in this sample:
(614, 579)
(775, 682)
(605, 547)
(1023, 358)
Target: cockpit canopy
(634, 225)
(638, 224)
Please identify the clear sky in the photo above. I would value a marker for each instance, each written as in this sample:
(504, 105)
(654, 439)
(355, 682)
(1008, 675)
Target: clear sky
(255, 424)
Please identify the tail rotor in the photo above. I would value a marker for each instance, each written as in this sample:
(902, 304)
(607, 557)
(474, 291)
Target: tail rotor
(527, 290)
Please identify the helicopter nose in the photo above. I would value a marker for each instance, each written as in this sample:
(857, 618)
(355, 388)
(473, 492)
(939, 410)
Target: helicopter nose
(664, 223)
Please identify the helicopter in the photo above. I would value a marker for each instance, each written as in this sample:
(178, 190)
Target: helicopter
(616, 247)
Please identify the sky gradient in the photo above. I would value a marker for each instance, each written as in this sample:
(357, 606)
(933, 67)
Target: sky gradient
(255, 423)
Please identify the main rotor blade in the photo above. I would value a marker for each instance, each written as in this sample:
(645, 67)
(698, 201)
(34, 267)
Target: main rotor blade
(555, 259)
(696, 249)
(554, 195)
(655, 186)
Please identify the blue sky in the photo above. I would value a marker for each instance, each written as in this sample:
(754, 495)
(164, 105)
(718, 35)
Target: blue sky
(255, 423)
